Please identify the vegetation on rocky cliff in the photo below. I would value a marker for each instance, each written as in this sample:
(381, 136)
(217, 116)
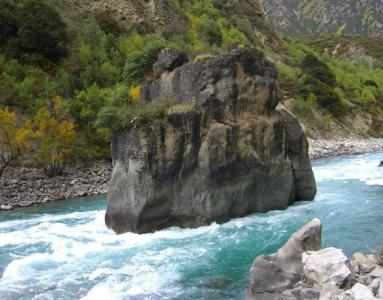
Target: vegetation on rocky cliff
(334, 87)
(96, 66)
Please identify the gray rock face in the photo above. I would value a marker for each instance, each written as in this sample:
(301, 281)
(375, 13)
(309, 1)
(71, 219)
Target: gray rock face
(169, 59)
(271, 275)
(222, 151)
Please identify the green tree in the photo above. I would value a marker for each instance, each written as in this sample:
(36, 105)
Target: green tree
(318, 69)
(8, 21)
(41, 30)
(139, 63)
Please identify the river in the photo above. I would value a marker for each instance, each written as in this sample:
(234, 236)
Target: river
(62, 250)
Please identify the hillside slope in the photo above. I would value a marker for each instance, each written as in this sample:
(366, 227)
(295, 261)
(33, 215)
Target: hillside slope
(317, 17)
(73, 71)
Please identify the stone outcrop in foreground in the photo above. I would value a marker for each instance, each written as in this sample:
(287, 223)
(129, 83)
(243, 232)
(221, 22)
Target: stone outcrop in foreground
(225, 148)
(301, 270)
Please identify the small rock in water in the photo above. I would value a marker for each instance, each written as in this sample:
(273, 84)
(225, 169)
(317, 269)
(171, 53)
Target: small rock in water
(218, 283)
(381, 164)
(5, 207)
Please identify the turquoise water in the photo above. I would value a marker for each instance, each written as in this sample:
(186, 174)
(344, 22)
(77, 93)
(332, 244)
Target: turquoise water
(63, 251)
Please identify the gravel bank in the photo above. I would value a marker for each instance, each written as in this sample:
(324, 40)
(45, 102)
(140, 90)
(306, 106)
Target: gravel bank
(325, 148)
(21, 187)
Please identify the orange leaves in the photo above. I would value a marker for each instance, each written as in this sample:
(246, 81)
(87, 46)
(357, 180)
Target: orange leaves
(15, 138)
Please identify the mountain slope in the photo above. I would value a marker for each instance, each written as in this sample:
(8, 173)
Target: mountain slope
(317, 17)
(83, 64)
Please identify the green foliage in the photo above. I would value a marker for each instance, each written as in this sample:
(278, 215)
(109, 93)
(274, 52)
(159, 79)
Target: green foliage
(54, 136)
(15, 138)
(8, 21)
(311, 75)
(138, 113)
(360, 83)
(139, 62)
(209, 27)
(302, 109)
(294, 50)
(326, 96)
(288, 77)
(132, 113)
(231, 36)
(85, 82)
(97, 57)
(108, 24)
(99, 81)
(318, 70)
(32, 28)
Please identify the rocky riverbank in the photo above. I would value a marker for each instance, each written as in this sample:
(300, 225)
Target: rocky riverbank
(325, 148)
(24, 186)
(302, 270)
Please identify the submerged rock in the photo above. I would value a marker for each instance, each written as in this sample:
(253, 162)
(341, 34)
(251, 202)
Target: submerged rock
(222, 151)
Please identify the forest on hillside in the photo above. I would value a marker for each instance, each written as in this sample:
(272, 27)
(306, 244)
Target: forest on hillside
(64, 89)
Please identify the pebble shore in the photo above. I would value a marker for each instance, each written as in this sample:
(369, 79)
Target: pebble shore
(20, 187)
(325, 148)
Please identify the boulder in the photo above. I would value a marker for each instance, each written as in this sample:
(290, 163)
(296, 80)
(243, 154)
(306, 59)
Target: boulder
(381, 164)
(5, 207)
(377, 272)
(361, 292)
(168, 60)
(379, 293)
(221, 151)
(361, 264)
(308, 293)
(326, 266)
(374, 286)
(330, 291)
(273, 274)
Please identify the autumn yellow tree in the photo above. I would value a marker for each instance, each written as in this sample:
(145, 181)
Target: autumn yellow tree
(15, 138)
(54, 137)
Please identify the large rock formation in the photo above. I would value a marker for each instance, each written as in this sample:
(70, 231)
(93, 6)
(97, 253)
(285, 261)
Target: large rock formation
(222, 151)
